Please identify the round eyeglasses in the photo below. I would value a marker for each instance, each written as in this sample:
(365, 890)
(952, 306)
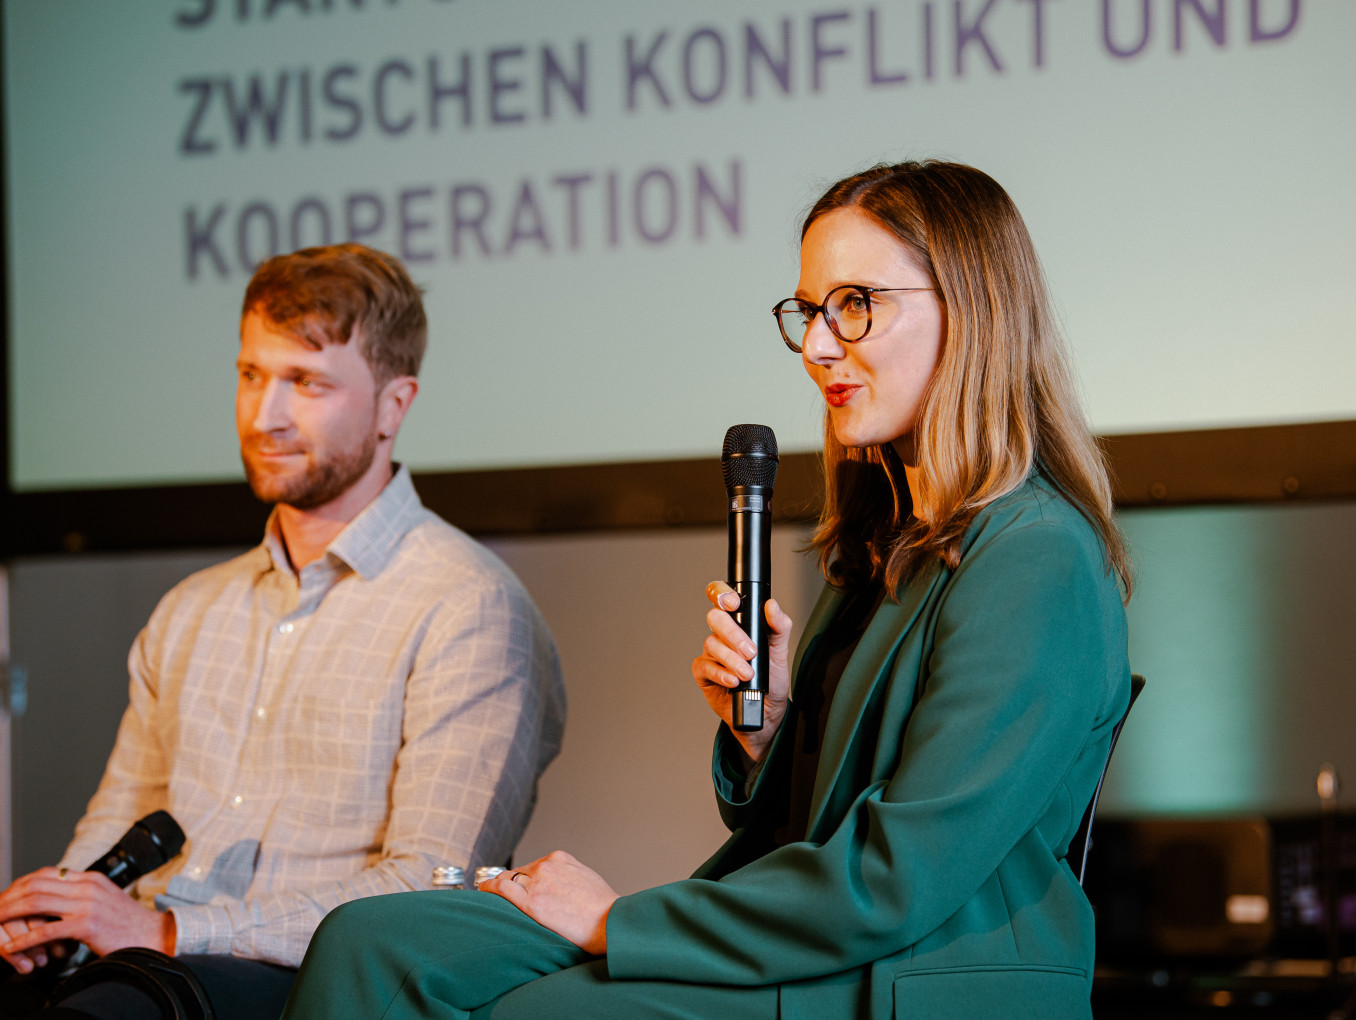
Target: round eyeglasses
(847, 310)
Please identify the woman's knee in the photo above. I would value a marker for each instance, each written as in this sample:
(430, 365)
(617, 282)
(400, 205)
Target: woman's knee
(344, 922)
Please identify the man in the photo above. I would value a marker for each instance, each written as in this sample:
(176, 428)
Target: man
(366, 695)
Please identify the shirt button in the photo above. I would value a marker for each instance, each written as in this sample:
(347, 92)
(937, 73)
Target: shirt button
(260, 713)
(237, 800)
(197, 872)
(284, 628)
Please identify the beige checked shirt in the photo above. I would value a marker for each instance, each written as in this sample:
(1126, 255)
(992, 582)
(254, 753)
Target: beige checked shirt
(331, 735)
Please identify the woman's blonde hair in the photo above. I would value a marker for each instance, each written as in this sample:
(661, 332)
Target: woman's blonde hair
(1000, 403)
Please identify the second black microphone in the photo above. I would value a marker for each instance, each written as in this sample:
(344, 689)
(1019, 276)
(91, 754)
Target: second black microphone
(748, 460)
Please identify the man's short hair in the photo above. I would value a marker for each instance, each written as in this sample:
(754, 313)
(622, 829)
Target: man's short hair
(338, 292)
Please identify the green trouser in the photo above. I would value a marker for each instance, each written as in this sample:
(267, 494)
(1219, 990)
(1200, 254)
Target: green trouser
(474, 955)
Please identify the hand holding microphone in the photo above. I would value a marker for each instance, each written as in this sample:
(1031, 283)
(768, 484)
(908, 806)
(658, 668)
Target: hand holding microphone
(725, 662)
(90, 906)
(749, 650)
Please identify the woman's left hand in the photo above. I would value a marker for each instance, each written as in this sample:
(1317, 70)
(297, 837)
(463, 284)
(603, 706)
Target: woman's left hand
(559, 893)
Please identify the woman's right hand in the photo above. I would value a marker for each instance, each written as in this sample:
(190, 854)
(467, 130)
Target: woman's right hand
(725, 659)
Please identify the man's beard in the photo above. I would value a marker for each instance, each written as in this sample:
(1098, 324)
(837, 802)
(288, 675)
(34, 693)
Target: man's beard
(321, 482)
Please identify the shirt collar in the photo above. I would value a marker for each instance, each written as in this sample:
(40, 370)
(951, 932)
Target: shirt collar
(369, 540)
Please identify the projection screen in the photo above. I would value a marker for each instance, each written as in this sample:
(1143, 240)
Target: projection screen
(601, 201)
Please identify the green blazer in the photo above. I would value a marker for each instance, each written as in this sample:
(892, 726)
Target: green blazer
(963, 746)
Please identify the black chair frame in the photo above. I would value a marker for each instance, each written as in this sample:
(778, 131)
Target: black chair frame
(172, 986)
(1082, 838)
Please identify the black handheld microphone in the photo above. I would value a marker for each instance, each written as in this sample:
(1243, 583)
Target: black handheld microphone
(148, 844)
(748, 460)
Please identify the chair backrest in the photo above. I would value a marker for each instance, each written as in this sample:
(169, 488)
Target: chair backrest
(1082, 839)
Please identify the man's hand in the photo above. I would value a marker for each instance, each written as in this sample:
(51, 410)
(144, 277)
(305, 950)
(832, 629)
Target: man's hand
(24, 963)
(50, 905)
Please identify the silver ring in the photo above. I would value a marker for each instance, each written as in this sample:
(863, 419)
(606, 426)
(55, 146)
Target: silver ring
(517, 875)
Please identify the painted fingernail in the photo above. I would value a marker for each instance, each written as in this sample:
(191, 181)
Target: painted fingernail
(42, 960)
(24, 965)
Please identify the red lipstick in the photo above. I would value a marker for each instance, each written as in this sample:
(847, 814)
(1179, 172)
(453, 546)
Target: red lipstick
(839, 394)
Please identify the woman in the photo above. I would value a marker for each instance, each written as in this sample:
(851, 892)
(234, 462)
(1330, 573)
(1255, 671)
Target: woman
(899, 825)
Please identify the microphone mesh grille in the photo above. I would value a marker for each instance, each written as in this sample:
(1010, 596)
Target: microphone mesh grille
(749, 456)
